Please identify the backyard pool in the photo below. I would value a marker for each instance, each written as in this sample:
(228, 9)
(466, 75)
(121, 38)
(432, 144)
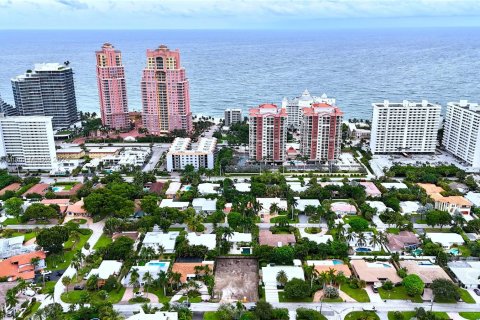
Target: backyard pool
(337, 262)
(57, 189)
(362, 249)
(417, 252)
(159, 264)
(455, 251)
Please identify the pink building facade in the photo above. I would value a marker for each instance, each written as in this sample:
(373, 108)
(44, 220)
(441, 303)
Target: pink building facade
(267, 133)
(165, 93)
(321, 127)
(112, 88)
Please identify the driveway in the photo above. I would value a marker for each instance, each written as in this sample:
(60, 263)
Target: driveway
(129, 295)
(374, 297)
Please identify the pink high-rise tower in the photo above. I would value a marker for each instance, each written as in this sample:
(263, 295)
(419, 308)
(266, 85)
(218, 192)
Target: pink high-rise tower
(112, 89)
(165, 93)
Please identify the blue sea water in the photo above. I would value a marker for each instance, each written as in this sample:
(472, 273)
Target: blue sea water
(246, 68)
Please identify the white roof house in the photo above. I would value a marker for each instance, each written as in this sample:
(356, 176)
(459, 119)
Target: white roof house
(106, 269)
(173, 188)
(242, 186)
(318, 237)
(297, 186)
(204, 205)
(409, 207)
(157, 238)
(241, 243)
(267, 203)
(445, 239)
(204, 239)
(159, 315)
(379, 205)
(170, 203)
(153, 267)
(394, 185)
(10, 247)
(467, 272)
(302, 203)
(208, 188)
(474, 198)
(269, 274)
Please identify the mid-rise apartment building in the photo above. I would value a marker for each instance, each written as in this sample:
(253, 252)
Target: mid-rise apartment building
(407, 127)
(233, 116)
(112, 89)
(294, 106)
(165, 93)
(182, 153)
(461, 135)
(321, 129)
(27, 142)
(267, 133)
(47, 90)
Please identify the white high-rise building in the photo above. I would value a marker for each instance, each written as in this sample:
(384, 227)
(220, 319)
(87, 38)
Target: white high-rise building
(294, 107)
(461, 135)
(27, 142)
(407, 127)
(233, 116)
(181, 154)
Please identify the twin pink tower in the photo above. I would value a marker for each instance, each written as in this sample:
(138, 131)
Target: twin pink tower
(165, 91)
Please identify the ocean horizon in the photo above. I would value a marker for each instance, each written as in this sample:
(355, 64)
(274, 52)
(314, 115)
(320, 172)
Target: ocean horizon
(244, 68)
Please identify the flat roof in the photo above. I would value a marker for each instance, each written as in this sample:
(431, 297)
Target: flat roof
(204, 239)
(467, 272)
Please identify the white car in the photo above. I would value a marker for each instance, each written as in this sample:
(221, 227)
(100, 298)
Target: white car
(138, 294)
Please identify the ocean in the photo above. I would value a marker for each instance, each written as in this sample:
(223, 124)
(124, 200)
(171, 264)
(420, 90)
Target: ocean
(241, 69)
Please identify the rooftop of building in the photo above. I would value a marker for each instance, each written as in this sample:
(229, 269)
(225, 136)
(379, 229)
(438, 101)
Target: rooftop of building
(405, 104)
(375, 271)
(267, 109)
(183, 145)
(266, 237)
(426, 270)
(322, 108)
(464, 104)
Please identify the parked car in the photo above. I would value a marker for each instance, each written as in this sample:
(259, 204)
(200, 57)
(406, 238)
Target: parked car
(252, 308)
(46, 272)
(374, 289)
(138, 294)
(78, 287)
(477, 291)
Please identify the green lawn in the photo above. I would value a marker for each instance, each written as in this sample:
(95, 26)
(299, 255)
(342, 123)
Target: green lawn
(161, 297)
(10, 221)
(28, 235)
(333, 299)
(407, 315)
(363, 315)
(102, 242)
(470, 315)
(64, 261)
(464, 295)
(74, 296)
(79, 221)
(282, 298)
(176, 229)
(34, 309)
(210, 315)
(398, 293)
(393, 230)
(358, 294)
(191, 300)
(49, 285)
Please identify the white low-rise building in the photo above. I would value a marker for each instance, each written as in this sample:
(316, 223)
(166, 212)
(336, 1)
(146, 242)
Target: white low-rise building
(241, 243)
(10, 247)
(409, 207)
(153, 267)
(159, 315)
(315, 237)
(297, 186)
(173, 189)
(242, 186)
(106, 269)
(303, 203)
(157, 239)
(205, 239)
(170, 203)
(208, 188)
(467, 272)
(269, 274)
(378, 205)
(474, 198)
(181, 154)
(204, 205)
(446, 239)
(266, 204)
(394, 185)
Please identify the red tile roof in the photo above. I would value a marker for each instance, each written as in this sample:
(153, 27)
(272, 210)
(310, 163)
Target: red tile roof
(19, 266)
(12, 187)
(40, 188)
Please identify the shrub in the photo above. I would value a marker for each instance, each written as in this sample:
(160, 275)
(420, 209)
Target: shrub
(413, 284)
(387, 285)
(308, 314)
(358, 224)
(297, 289)
(331, 292)
(397, 315)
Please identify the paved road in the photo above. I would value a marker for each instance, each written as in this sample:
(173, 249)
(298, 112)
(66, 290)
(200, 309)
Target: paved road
(157, 151)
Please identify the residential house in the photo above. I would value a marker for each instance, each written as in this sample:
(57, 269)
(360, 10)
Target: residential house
(187, 269)
(426, 270)
(466, 272)
(445, 239)
(157, 239)
(209, 240)
(404, 240)
(266, 237)
(241, 243)
(204, 205)
(106, 269)
(343, 208)
(371, 189)
(372, 272)
(21, 267)
(170, 203)
(14, 246)
(327, 265)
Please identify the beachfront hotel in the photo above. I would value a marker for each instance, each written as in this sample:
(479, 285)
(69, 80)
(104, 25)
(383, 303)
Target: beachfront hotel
(47, 90)
(267, 133)
(27, 142)
(294, 106)
(112, 90)
(461, 135)
(407, 127)
(165, 93)
(232, 116)
(321, 128)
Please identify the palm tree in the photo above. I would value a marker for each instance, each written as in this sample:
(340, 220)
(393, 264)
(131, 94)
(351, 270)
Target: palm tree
(147, 279)
(293, 204)
(175, 279)
(11, 299)
(161, 251)
(274, 208)
(361, 239)
(50, 293)
(163, 281)
(76, 264)
(382, 239)
(350, 235)
(66, 281)
(282, 278)
(374, 240)
(331, 275)
(341, 278)
(134, 276)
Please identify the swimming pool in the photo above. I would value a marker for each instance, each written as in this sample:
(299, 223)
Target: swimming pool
(337, 262)
(156, 264)
(455, 251)
(417, 252)
(57, 189)
(362, 249)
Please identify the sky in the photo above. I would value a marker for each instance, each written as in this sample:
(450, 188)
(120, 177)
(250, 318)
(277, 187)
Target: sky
(236, 14)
